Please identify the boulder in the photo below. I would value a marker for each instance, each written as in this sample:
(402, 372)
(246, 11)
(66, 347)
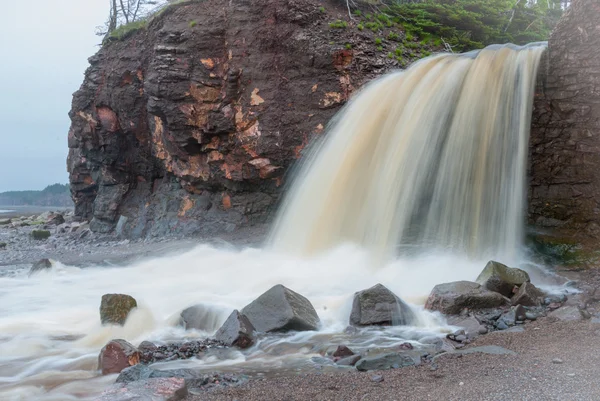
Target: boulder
(528, 295)
(40, 234)
(379, 306)
(55, 219)
(201, 317)
(567, 314)
(281, 309)
(42, 264)
(237, 330)
(342, 352)
(116, 356)
(392, 360)
(452, 298)
(115, 308)
(4, 222)
(163, 389)
(501, 278)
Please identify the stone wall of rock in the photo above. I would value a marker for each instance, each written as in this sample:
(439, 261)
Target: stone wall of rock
(188, 126)
(565, 136)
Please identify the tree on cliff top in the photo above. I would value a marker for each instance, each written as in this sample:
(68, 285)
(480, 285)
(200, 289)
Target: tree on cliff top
(124, 12)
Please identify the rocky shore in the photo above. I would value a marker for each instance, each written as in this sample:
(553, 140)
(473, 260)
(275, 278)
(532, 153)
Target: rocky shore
(499, 322)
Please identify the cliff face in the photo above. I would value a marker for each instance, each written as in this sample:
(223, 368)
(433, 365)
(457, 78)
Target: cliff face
(565, 135)
(189, 125)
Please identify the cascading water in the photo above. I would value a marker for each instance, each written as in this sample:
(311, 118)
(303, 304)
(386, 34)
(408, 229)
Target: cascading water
(433, 156)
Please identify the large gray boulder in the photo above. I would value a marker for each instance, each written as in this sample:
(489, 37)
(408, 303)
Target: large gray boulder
(237, 330)
(452, 298)
(379, 306)
(501, 278)
(528, 295)
(281, 309)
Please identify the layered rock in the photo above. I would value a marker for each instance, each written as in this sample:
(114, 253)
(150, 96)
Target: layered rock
(565, 135)
(189, 128)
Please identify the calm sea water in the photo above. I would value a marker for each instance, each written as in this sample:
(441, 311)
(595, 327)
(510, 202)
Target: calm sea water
(5, 211)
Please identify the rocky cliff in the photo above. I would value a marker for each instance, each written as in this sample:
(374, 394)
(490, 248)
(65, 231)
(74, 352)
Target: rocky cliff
(189, 126)
(565, 135)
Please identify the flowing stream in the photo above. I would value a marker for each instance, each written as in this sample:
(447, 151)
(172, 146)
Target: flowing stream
(418, 182)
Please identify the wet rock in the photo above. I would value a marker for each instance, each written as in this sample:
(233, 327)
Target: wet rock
(379, 306)
(342, 351)
(2, 245)
(528, 295)
(173, 351)
(281, 309)
(237, 331)
(469, 324)
(501, 325)
(531, 315)
(40, 235)
(143, 372)
(514, 314)
(349, 360)
(452, 298)
(115, 308)
(147, 350)
(501, 278)
(163, 389)
(42, 264)
(392, 360)
(116, 356)
(555, 299)
(567, 314)
(201, 317)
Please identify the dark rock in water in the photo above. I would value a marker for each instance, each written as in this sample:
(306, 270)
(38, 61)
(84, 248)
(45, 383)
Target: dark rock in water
(40, 234)
(349, 360)
(2, 245)
(143, 372)
(379, 306)
(116, 356)
(237, 330)
(147, 350)
(281, 309)
(501, 278)
(392, 360)
(342, 351)
(528, 295)
(201, 317)
(115, 308)
(452, 298)
(42, 264)
(163, 389)
(174, 351)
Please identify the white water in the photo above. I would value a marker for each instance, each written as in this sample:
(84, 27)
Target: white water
(432, 157)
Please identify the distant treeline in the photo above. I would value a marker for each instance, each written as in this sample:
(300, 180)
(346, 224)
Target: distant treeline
(52, 195)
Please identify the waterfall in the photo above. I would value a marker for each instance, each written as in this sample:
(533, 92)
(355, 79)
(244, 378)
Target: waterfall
(431, 157)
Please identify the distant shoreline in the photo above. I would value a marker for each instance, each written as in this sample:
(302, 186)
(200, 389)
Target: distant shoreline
(7, 212)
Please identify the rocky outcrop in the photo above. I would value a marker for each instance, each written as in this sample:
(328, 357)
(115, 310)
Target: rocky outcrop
(379, 306)
(281, 309)
(190, 127)
(501, 278)
(565, 135)
(452, 298)
(115, 308)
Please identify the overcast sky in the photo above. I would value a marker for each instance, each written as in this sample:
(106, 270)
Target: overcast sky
(44, 45)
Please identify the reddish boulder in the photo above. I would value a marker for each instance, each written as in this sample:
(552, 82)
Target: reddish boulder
(116, 356)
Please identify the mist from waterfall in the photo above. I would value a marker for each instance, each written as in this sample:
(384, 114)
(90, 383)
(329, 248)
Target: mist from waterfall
(434, 156)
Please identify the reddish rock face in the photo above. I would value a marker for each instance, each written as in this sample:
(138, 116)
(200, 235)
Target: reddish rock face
(190, 127)
(565, 135)
(116, 356)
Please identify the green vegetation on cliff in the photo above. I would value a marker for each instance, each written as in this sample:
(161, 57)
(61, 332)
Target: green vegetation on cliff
(469, 24)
